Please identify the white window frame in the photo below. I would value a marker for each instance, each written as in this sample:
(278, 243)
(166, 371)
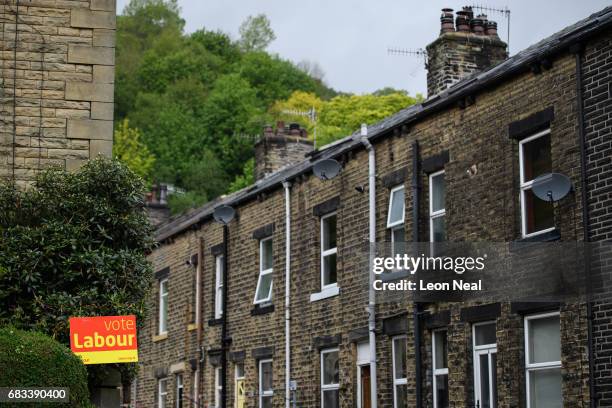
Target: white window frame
(218, 387)
(219, 286)
(265, 393)
(438, 213)
(178, 387)
(437, 371)
(393, 226)
(328, 387)
(264, 272)
(328, 252)
(536, 366)
(161, 397)
(162, 327)
(483, 349)
(527, 185)
(397, 381)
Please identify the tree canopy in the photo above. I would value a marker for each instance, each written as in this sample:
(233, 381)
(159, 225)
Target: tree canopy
(198, 101)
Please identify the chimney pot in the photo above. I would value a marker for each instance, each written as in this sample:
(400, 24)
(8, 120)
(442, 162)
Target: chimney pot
(447, 21)
(280, 127)
(477, 26)
(268, 130)
(491, 28)
(294, 129)
(468, 12)
(463, 21)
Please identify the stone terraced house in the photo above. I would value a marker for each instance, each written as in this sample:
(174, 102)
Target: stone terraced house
(272, 309)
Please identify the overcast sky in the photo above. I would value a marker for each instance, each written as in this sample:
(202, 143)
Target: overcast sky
(349, 38)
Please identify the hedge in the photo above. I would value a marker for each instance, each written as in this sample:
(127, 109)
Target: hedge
(32, 359)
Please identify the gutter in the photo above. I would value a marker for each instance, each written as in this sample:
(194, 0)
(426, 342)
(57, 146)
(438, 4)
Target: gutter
(372, 239)
(417, 308)
(198, 319)
(224, 321)
(287, 186)
(579, 52)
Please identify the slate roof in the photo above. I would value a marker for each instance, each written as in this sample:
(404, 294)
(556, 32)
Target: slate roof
(518, 63)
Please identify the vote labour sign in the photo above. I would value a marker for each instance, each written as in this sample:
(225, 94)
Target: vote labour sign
(104, 339)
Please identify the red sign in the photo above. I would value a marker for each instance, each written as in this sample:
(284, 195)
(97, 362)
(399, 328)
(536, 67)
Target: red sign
(104, 339)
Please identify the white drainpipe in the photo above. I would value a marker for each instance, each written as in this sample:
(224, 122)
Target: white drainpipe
(372, 239)
(287, 186)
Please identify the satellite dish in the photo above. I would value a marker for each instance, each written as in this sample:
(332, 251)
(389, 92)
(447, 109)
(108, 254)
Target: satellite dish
(551, 186)
(224, 214)
(326, 169)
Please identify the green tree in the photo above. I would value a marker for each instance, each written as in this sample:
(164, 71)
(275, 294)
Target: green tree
(246, 178)
(81, 255)
(128, 147)
(256, 33)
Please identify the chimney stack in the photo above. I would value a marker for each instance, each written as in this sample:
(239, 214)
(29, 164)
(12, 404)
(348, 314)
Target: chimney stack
(467, 46)
(286, 146)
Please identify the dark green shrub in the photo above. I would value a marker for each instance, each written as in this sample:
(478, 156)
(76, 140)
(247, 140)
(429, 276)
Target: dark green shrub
(32, 359)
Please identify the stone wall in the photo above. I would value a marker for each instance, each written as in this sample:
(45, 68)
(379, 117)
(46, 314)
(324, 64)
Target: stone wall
(57, 84)
(281, 148)
(476, 136)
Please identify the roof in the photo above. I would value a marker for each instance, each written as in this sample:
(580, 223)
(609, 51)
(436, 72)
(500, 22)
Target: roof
(518, 63)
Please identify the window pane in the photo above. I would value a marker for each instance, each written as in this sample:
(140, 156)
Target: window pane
(266, 376)
(544, 340)
(265, 285)
(545, 388)
(329, 269)
(439, 231)
(438, 192)
(485, 401)
(239, 370)
(398, 238)
(441, 349)
(539, 213)
(401, 396)
(266, 256)
(329, 232)
(331, 399)
(536, 158)
(442, 391)
(266, 402)
(485, 334)
(396, 210)
(400, 358)
(331, 373)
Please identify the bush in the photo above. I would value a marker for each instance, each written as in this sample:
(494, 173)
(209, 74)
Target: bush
(32, 359)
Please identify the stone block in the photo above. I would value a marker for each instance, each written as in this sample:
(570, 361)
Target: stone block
(102, 110)
(103, 147)
(105, 5)
(104, 74)
(82, 91)
(84, 54)
(92, 19)
(74, 164)
(90, 129)
(103, 38)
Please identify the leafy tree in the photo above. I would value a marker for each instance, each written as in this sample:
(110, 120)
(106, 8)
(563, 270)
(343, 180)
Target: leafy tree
(256, 33)
(81, 255)
(246, 178)
(128, 147)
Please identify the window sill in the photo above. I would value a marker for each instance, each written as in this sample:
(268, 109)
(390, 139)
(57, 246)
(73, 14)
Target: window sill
(192, 326)
(160, 337)
(215, 322)
(325, 293)
(394, 275)
(261, 309)
(549, 236)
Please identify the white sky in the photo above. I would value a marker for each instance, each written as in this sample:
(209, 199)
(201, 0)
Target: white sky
(349, 38)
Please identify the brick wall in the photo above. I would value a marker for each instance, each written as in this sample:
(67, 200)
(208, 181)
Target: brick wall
(57, 87)
(597, 83)
(473, 136)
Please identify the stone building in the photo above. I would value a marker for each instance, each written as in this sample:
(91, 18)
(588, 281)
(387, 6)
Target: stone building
(273, 307)
(57, 86)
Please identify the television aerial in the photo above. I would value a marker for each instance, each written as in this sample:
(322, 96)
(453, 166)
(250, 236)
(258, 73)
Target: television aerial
(326, 169)
(551, 186)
